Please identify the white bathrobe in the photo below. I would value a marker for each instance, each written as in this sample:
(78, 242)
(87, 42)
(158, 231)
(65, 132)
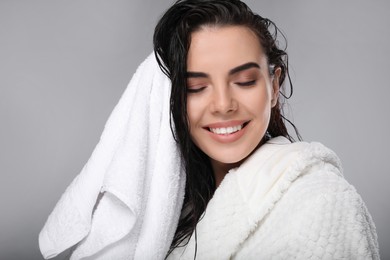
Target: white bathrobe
(287, 201)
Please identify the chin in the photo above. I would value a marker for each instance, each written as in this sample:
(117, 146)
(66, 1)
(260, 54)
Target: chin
(235, 158)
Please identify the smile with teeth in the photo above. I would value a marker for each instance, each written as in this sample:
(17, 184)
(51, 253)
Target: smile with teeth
(226, 130)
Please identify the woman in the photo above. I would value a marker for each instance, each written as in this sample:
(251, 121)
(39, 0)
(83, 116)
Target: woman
(250, 192)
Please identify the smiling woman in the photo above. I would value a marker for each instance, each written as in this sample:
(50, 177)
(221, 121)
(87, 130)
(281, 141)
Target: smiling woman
(229, 101)
(196, 162)
(251, 191)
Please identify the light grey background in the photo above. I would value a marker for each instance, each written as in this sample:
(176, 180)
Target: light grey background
(64, 65)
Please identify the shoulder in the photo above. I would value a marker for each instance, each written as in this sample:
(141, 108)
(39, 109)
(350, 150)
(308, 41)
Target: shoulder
(321, 199)
(297, 157)
(313, 179)
(316, 173)
(316, 208)
(299, 168)
(328, 216)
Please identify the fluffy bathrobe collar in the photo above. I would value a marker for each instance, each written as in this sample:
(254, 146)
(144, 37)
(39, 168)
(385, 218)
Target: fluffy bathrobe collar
(248, 193)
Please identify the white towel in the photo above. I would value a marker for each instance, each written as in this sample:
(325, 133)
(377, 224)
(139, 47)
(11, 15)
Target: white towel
(126, 202)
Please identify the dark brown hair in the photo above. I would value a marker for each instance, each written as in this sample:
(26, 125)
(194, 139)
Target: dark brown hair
(172, 38)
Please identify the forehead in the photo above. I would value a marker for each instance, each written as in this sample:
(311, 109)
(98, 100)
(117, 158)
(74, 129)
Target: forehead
(222, 48)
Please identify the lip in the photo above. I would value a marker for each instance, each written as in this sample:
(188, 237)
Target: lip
(226, 124)
(227, 138)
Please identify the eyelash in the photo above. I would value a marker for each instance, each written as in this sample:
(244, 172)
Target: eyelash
(195, 90)
(247, 83)
(241, 84)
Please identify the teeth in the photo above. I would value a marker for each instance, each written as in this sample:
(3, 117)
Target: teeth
(226, 130)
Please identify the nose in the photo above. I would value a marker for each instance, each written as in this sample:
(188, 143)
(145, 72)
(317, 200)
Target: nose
(223, 100)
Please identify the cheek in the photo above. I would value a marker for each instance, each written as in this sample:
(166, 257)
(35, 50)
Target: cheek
(258, 102)
(191, 111)
(194, 112)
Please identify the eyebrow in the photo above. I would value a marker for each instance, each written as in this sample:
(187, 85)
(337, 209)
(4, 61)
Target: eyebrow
(245, 66)
(249, 65)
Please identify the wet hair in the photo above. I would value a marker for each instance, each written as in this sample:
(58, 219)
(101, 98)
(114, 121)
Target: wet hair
(172, 38)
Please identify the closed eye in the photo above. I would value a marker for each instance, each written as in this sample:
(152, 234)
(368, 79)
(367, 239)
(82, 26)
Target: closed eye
(195, 90)
(246, 83)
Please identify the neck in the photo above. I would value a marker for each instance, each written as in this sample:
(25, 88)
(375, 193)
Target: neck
(221, 169)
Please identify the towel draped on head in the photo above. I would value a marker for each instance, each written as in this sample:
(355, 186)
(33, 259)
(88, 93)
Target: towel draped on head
(126, 202)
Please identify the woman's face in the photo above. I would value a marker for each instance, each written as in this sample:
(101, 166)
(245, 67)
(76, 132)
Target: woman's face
(230, 92)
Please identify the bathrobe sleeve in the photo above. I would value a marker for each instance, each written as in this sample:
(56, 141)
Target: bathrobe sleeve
(321, 216)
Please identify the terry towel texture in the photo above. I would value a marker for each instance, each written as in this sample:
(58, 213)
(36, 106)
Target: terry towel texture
(286, 201)
(125, 203)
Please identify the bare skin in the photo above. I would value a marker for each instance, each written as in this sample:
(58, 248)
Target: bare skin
(230, 94)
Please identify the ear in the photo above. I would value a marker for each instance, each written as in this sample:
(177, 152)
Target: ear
(275, 86)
